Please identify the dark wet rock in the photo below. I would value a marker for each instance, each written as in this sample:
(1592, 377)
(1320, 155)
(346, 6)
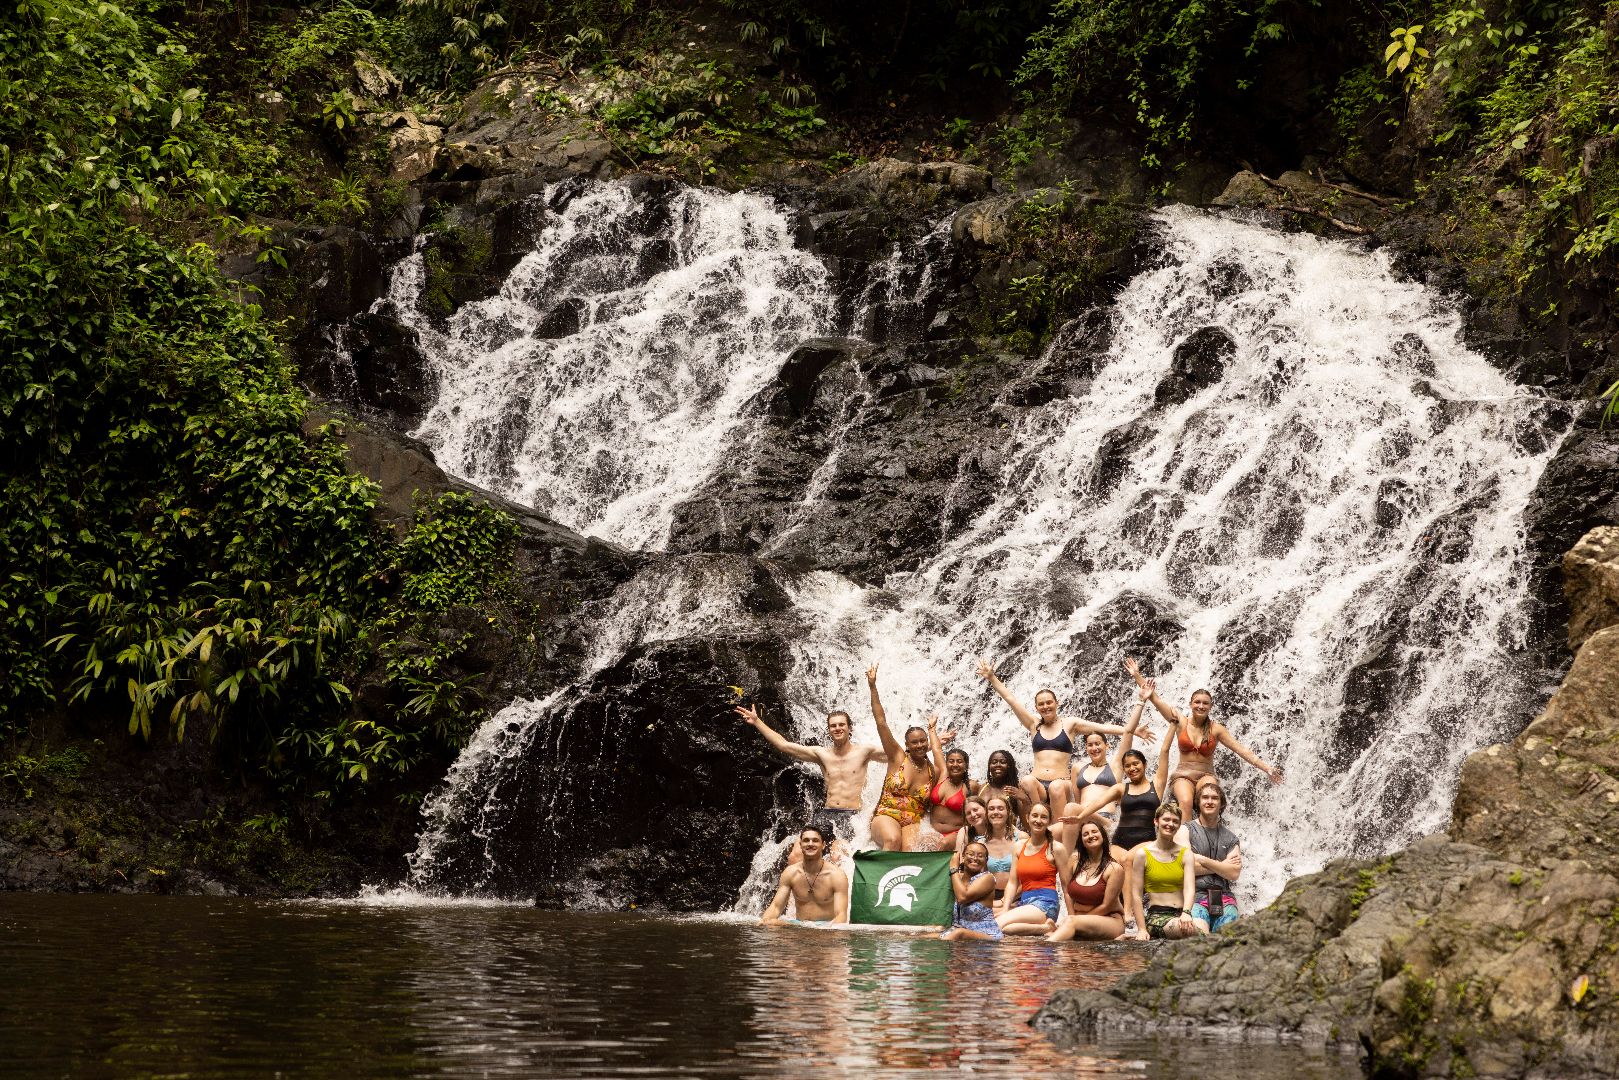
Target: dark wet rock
(655, 727)
(1477, 953)
(1199, 362)
(388, 376)
(900, 442)
(1302, 199)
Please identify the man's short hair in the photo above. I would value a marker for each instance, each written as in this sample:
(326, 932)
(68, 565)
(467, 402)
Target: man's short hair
(814, 828)
(839, 712)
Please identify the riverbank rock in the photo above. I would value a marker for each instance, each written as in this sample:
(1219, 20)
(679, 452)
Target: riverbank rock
(642, 787)
(1591, 583)
(1487, 952)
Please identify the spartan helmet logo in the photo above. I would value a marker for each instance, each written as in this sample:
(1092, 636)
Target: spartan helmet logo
(895, 885)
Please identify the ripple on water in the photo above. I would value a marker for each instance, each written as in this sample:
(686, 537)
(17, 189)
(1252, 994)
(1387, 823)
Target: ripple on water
(218, 987)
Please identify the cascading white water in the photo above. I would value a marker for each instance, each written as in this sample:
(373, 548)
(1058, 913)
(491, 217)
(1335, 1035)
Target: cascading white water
(1239, 539)
(1328, 536)
(605, 378)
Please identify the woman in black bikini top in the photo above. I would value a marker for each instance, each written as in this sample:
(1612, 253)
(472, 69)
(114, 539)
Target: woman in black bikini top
(1052, 738)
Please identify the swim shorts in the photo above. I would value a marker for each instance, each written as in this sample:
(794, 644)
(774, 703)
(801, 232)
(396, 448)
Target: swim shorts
(1044, 899)
(1200, 912)
(1160, 917)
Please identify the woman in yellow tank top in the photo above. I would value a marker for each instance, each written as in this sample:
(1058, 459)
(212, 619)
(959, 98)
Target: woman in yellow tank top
(1162, 870)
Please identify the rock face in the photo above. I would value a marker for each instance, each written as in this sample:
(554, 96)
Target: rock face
(1591, 582)
(1485, 953)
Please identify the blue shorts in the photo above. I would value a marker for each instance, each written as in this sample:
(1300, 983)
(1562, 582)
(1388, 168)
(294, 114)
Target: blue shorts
(1044, 899)
(1200, 912)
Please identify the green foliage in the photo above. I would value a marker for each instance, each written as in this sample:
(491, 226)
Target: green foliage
(22, 769)
(1531, 94)
(180, 549)
(1069, 242)
(1158, 57)
(459, 548)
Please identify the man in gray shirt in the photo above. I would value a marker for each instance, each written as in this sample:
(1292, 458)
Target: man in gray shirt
(1216, 859)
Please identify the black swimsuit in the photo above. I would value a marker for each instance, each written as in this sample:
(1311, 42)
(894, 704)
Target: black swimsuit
(1135, 817)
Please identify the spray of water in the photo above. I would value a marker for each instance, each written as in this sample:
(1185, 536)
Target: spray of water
(608, 374)
(1327, 534)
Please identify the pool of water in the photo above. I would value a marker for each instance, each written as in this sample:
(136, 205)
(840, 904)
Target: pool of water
(201, 987)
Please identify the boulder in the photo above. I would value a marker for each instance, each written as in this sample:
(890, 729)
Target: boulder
(1199, 362)
(1591, 583)
(655, 727)
(888, 181)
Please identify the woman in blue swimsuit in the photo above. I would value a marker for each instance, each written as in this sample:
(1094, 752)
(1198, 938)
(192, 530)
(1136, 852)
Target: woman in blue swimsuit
(973, 885)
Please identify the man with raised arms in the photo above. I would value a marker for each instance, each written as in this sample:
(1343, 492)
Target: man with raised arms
(820, 891)
(843, 765)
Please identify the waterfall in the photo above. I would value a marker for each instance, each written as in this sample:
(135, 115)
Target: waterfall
(603, 381)
(1329, 537)
(1325, 530)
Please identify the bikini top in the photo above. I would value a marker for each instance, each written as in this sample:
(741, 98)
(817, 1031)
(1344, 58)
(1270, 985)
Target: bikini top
(1088, 895)
(956, 802)
(1184, 741)
(1036, 871)
(998, 864)
(1105, 778)
(1062, 742)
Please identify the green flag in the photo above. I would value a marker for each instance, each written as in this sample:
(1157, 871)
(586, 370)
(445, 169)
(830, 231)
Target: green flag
(901, 888)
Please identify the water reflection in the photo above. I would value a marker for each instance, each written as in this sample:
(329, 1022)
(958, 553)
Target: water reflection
(152, 986)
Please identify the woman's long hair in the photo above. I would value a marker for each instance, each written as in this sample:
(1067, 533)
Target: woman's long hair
(1082, 857)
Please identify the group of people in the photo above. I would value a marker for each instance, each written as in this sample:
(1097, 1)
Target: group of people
(1093, 849)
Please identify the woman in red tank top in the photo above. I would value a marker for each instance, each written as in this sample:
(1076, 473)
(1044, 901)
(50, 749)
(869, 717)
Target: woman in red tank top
(1032, 903)
(1094, 912)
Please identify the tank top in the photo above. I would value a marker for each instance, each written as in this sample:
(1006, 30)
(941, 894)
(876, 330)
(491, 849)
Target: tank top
(1164, 877)
(1087, 895)
(1135, 811)
(1061, 742)
(1035, 871)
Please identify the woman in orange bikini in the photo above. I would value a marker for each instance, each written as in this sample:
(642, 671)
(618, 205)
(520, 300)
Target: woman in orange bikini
(947, 798)
(1196, 736)
(905, 788)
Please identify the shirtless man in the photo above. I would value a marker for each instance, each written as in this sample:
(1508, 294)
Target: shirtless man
(843, 766)
(820, 891)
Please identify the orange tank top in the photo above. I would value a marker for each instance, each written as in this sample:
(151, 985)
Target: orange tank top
(1036, 871)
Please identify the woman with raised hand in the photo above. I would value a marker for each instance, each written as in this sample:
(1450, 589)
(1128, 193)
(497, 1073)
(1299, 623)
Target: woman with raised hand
(1137, 797)
(947, 798)
(1003, 780)
(1163, 871)
(1197, 735)
(1099, 775)
(1053, 741)
(1032, 903)
(905, 788)
(1094, 886)
(973, 920)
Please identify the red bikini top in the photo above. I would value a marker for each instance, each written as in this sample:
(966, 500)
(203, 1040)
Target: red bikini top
(956, 802)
